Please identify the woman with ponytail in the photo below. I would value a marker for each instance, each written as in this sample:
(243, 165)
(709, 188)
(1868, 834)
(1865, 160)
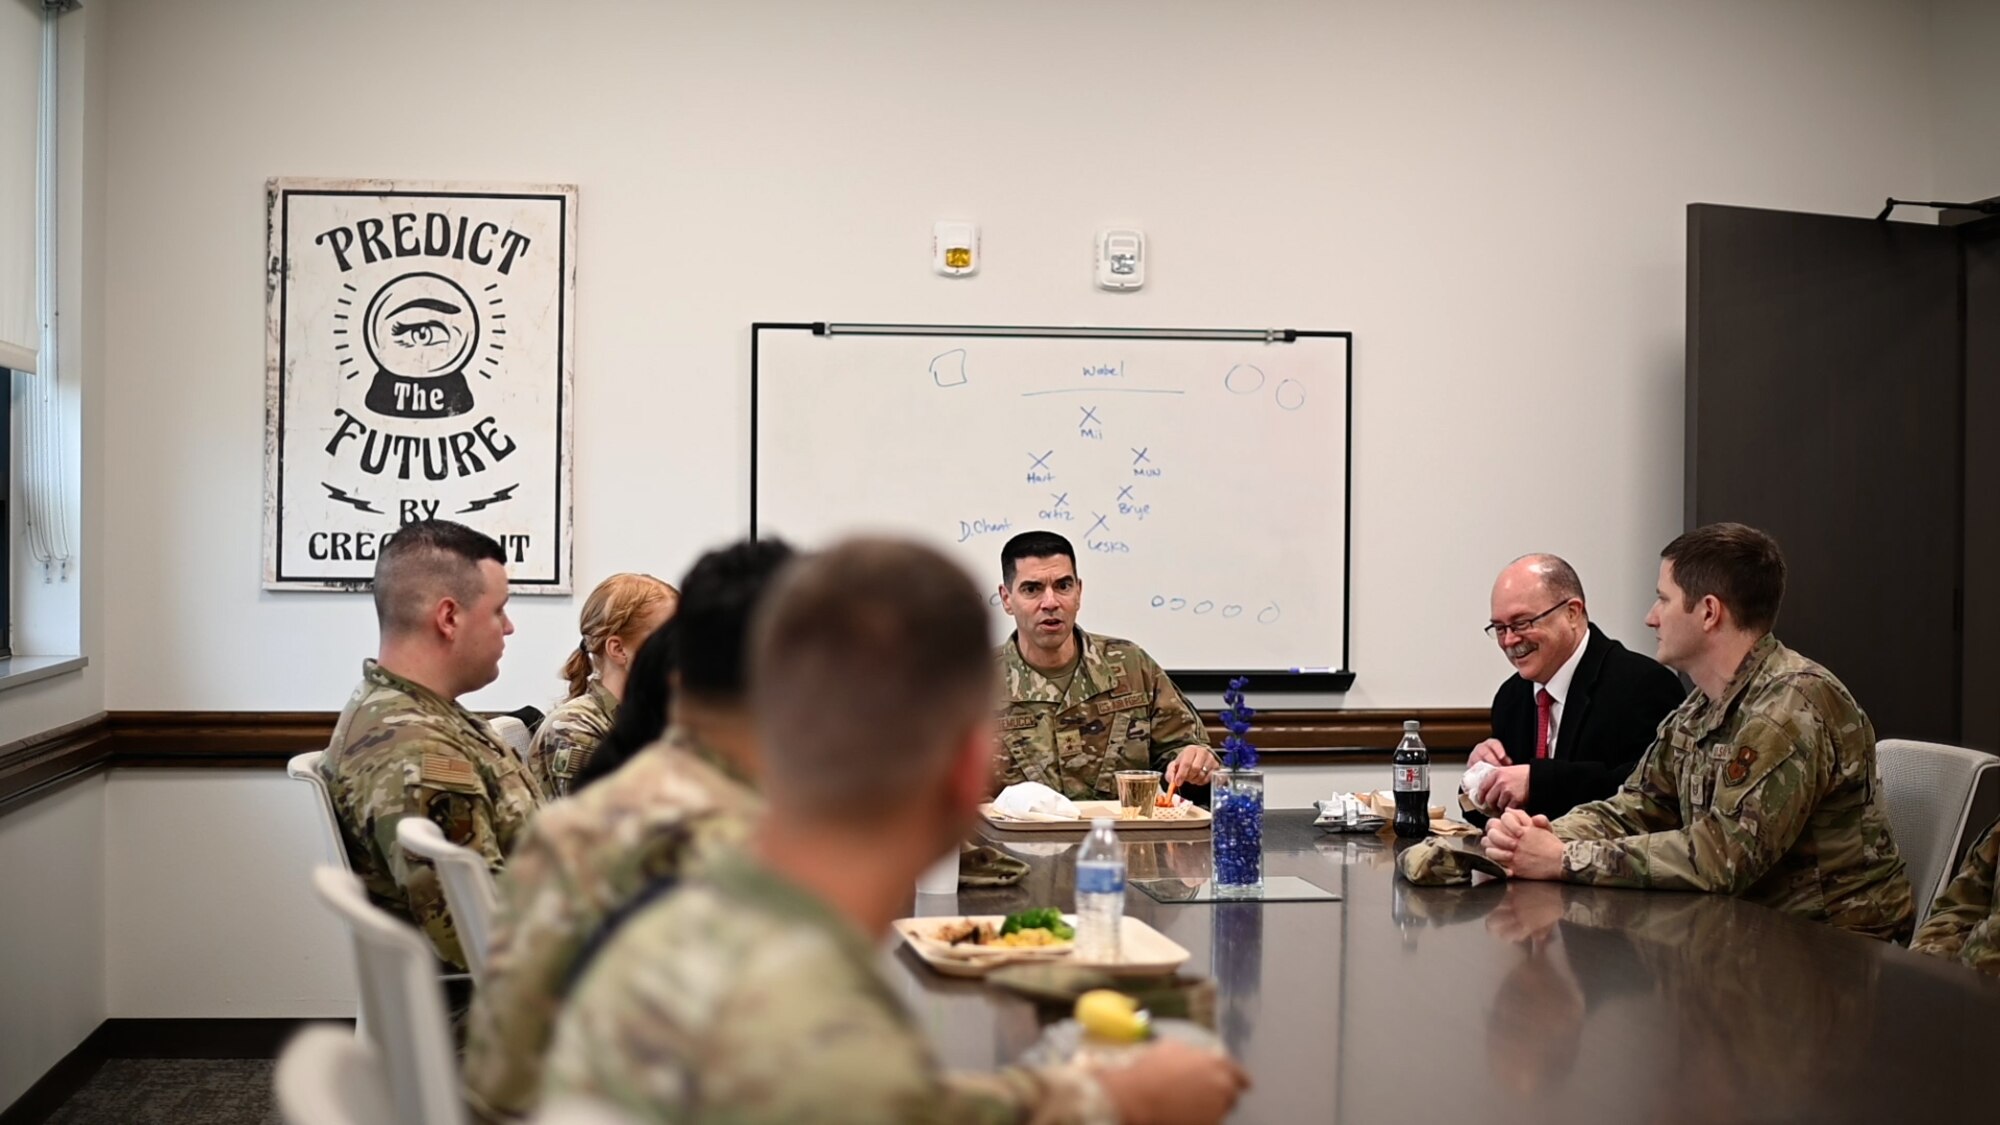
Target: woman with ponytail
(617, 617)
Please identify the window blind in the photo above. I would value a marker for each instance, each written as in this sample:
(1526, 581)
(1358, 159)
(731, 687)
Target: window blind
(20, 99)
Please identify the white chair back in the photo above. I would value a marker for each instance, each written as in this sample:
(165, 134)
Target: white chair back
(305, 767)
(1930, 789)
(514, 733)
(328, 1075)
(402, 1005)
(468, 888)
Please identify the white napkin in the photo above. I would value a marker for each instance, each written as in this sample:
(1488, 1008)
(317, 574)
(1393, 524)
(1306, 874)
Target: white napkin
(1034, 797)
(1475, 776)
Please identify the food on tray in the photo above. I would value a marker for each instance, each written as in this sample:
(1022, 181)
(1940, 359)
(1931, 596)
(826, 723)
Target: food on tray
(1046, 918)
(1041, 928)
(1112, 1016)
(1181, 809)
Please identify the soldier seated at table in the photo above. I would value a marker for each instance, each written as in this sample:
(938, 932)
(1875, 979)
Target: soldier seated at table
(753, 992)
(1762, 784)
(404, 747)
(1078, 708)
(685, 796)
(1964, 922)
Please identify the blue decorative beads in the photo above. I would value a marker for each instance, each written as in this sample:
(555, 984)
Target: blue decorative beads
(1239, 835)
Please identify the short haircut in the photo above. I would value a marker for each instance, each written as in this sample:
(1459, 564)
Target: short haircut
(1740, 565)
(719, 597)
(1558, 577)
(873, 661)
(422, 564)
(1033, 545)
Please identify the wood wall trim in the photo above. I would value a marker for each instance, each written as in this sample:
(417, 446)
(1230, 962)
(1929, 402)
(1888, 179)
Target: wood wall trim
(266, 739)
(43, 761)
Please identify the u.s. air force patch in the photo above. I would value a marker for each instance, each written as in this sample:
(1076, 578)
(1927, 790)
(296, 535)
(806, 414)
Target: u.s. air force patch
(1738, 769)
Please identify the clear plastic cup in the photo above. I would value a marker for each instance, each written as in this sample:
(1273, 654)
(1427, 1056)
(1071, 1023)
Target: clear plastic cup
(1137, 790)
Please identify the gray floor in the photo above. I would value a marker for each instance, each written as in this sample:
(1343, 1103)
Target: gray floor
(174, 1091)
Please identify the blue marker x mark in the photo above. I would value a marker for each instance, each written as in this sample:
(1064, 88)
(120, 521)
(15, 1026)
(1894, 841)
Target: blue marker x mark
(1089, 416)
(1061, 499)
(1041, 462)
(1124, 494)
(1139, 455)
(1101, 521)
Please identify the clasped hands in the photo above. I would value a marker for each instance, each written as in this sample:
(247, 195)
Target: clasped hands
(1525, 845)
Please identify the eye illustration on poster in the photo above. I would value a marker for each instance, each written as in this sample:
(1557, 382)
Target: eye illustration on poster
(419, 366)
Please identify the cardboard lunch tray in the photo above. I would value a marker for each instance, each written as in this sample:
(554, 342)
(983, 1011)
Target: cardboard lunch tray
(1042, 822)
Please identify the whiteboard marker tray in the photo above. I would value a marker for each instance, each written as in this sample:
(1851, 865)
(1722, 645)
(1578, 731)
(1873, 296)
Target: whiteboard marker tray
(1196, 820)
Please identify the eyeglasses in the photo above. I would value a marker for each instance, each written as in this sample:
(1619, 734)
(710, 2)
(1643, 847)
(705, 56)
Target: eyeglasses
(1495, 628)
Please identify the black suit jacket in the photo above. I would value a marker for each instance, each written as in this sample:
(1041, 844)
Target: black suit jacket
(1616, 701)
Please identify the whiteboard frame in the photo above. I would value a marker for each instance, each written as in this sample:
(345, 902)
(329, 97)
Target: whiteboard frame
(1280, 680)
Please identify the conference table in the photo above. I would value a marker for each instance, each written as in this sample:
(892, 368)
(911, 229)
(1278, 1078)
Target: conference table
(1506, 1002)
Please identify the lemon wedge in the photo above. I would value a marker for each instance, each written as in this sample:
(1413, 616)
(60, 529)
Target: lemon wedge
(1111, 1016)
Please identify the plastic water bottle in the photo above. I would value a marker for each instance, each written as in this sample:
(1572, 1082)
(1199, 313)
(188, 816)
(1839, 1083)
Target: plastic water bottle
(1411, 767)
(1100, 892)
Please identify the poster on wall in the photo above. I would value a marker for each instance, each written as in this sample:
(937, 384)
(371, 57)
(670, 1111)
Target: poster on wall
(419, 341)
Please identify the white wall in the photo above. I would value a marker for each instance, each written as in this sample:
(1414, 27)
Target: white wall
(210, 912)
(1965, 39)
(52, 931)
(1490, 196)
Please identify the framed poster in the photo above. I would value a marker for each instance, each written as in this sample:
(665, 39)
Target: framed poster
(419, 348)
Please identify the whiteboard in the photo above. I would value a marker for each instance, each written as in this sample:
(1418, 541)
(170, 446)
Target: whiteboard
(1202, 476)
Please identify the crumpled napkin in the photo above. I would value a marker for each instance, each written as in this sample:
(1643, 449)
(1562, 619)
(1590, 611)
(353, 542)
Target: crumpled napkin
(1475, 776)
(1033, 797)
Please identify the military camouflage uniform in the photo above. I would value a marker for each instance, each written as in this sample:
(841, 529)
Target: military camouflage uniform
(674, 804)
(1121, 712)
(741, 998)
(567, 738)
(1965, 921)
(1770, 793)
(400, 749)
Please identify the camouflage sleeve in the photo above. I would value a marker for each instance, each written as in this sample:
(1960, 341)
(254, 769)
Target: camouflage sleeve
(1176, 724)
(1964, 905)
(442, 786)
(1762, 799)
(513, 1011)
(1647, 802)
(562, 745)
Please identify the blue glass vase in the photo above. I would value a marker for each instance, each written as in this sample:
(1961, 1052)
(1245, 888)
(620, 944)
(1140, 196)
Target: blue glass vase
(1237, 804)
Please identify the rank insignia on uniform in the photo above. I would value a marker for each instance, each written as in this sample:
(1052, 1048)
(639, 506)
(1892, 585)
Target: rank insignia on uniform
(1738, 769)
(445, 769)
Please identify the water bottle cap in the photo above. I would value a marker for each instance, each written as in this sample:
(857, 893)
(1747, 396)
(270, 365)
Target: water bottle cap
(1102, 821)
(1410, 726)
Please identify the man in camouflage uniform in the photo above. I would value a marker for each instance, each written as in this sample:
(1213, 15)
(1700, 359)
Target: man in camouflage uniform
(1964, 923)
(1763, 784)
(753, 993)
(564, 741)
(673, 806)
(404, 747)
(1079, 708)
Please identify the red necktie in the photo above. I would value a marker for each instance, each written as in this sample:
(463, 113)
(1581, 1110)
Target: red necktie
(1544, 705)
